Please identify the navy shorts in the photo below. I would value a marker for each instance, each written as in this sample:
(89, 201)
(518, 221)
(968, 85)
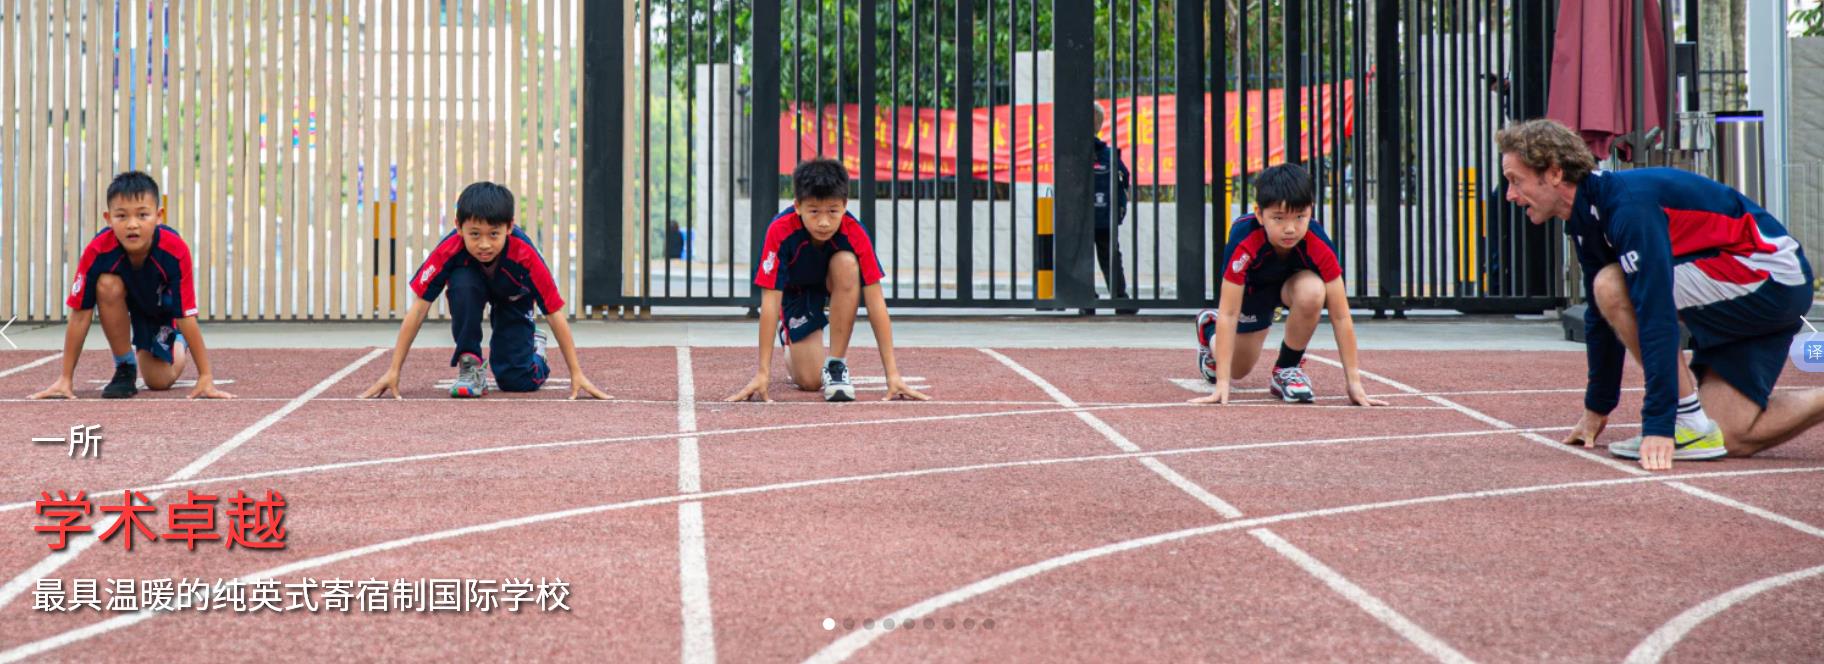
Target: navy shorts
(1745, 340)
(801, 314)
(154, 331)
(1257, 306)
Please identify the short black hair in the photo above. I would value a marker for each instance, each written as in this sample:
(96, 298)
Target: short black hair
(134, 184)
(1288, 184)
(486, 202)
(821, 178)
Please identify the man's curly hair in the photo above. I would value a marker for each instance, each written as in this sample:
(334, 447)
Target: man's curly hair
(1542, 144)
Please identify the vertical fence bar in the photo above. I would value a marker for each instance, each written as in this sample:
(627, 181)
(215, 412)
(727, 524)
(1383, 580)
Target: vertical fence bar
(842, 116)
(266, 151)
(282, 123)
(734, 120)
(894, 102)
(1221, 185)
(1073, 42)
(817, 78)
(603, 89)
(764, 31)
(66, 178)
(1245, 107)
(1113, 234)
(1133, 148)
(1156, 168)
(1388, 144)
(31, 131)
(937, 149)
(1292, 22)
(964, 92)
(569, 122)
(671, 51)
(993, 156)
(869, 136)
(9, 157)
(1266, 85)
(645, 143)
(918, 154)
(1193, 121)
(690, 148)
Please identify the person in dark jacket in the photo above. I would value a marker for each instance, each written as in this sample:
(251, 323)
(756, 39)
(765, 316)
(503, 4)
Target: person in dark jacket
(1108, 218)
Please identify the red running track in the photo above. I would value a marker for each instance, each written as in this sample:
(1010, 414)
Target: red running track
(1048, 505)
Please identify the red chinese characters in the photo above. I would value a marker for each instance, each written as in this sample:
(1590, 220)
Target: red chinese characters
(253, 523)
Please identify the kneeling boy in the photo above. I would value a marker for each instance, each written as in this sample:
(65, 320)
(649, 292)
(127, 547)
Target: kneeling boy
(137, 273)
(1276, 257)
(487, 261)
(815, 252)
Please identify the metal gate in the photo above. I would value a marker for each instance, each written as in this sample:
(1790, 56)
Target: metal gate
(946, 111)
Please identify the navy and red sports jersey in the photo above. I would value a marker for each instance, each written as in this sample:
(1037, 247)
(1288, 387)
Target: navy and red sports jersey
(1683, 241)
(791, 261)
(163, 283)
(519, 269)
(1249, 259)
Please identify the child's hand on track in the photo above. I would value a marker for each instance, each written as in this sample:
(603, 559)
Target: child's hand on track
(755, 388)
(896, 387)
(205, 389)
(1359, 396)
(390, 381)
(580, 384)
(1220, 396)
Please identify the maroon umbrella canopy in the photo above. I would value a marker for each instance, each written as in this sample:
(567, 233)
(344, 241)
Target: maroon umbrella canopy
(1593, 70)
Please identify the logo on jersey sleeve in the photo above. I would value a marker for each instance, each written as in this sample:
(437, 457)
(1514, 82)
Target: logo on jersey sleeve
(1630, 262)
(77, 287)
(772, 259)
(1240, 263)
(428, 271)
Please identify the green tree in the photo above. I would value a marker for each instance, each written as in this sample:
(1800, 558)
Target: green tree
(1810, 21)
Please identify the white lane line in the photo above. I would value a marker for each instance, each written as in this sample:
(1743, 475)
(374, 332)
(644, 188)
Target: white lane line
(308, 470)
(861, 637)
(699, 626)
(50, 563)
(693, 565)
(29, 366)
(1380, 610)
(1629, 468)
(1480, 416)
(854, 641)
(689, 474)
(618, 439)
(1668, 634)
(1156, 466)
(1662, 640)
(1368, 603)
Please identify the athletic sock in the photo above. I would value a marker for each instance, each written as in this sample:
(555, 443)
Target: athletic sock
(1289, 356)
(1691, 414)
(126, 358)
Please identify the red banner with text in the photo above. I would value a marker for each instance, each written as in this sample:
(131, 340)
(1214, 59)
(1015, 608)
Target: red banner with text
(924, 139)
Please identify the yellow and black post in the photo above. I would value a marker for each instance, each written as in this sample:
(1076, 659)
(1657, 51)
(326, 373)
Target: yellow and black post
(392, 258)
(376, 254)
(1042, 250)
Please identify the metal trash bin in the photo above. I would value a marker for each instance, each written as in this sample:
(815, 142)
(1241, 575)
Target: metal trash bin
(1693, 143)
(1737, 154)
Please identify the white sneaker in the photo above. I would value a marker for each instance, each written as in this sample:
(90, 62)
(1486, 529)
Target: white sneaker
(836, 385)
(1291, 385)
(1206, 361)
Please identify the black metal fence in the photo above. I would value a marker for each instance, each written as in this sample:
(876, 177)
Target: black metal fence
(946, 111)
